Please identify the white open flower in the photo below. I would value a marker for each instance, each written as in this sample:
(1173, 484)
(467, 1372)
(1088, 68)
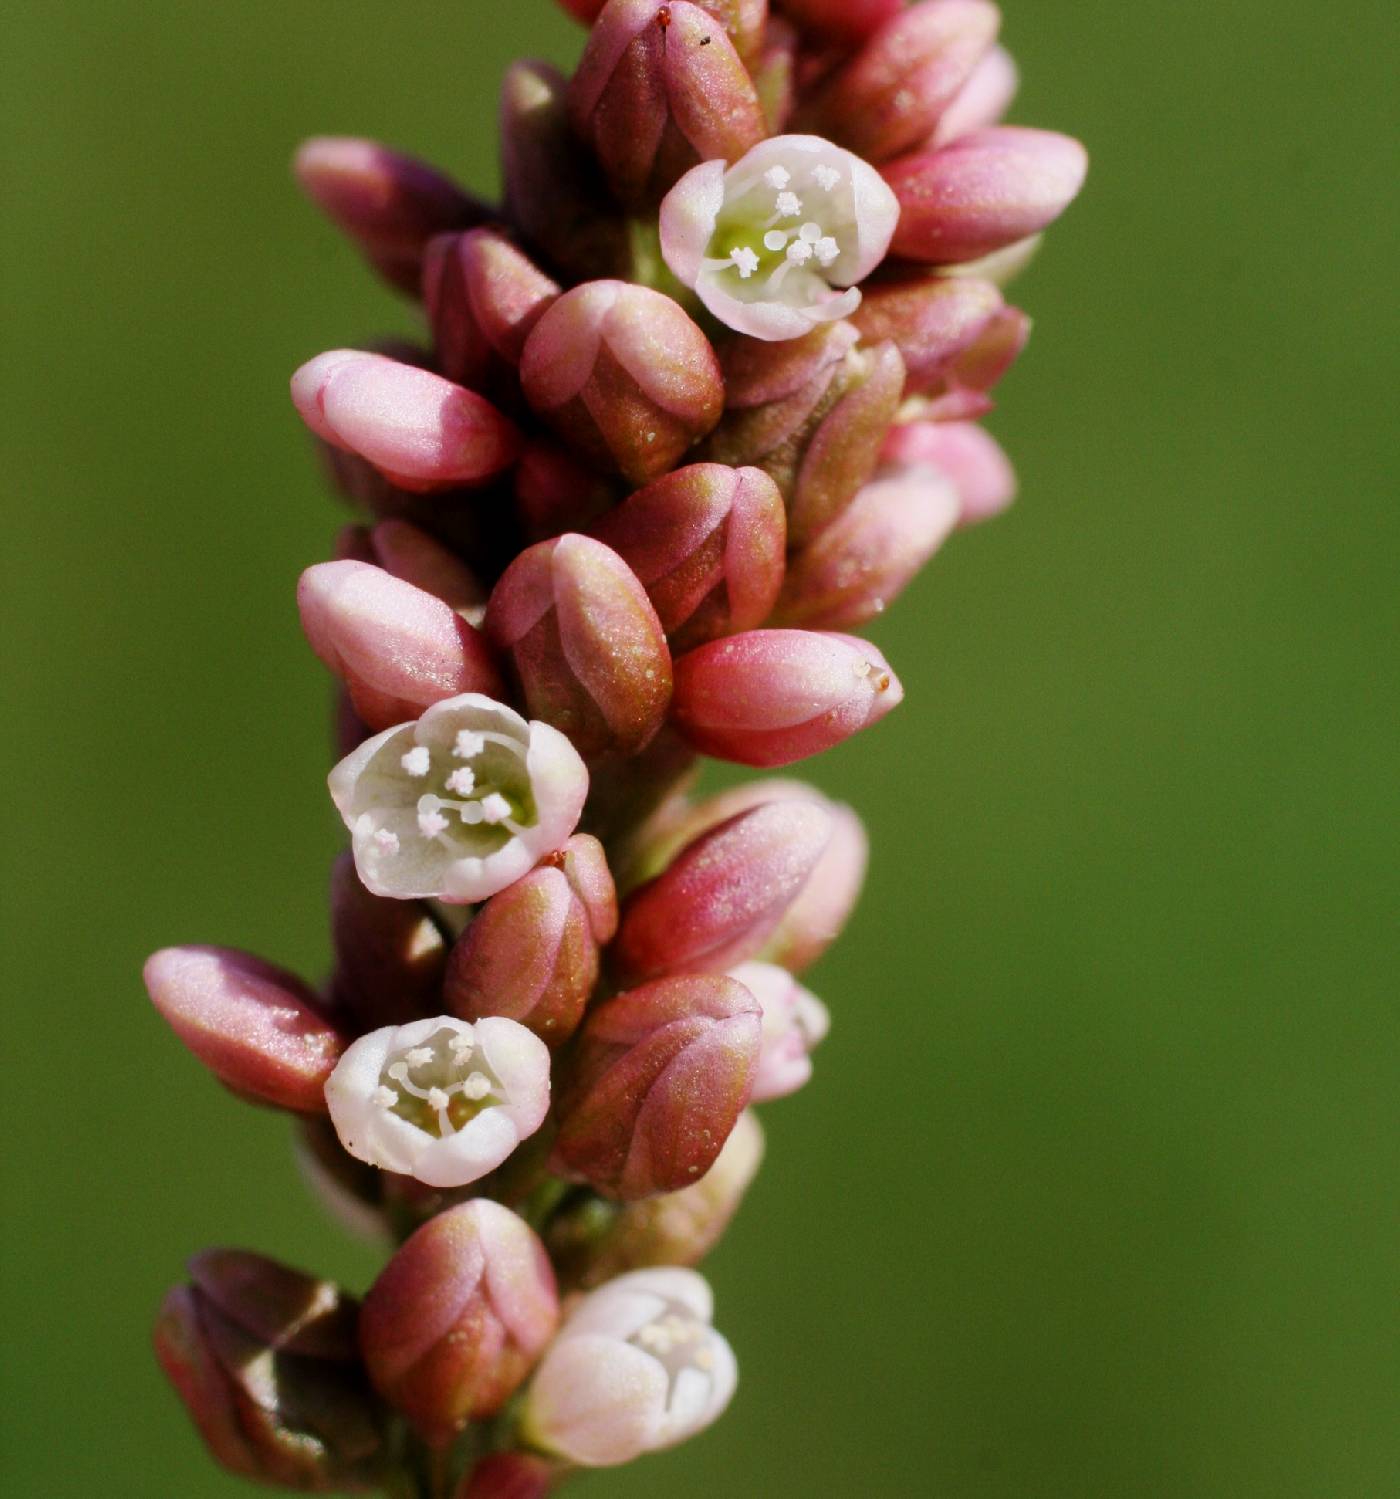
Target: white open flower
(775, 244)
(439, 1099)
(459, 804)
(794, 1021)
(636, 1367)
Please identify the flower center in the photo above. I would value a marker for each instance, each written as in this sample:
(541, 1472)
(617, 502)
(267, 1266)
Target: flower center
(678, 1340)
(773, 223)
(441, 1085)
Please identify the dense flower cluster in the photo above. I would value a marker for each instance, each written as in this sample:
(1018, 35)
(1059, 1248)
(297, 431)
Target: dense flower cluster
(698, 398)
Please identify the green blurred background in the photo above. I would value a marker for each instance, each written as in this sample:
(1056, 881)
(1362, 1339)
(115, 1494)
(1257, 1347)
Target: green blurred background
(1092, 1193)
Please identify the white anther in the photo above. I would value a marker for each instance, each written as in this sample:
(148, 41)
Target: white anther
(417, 762)
(431, 823)
(461, 1042)
(799, 252)
(495, 808)
(386, 841)
(777, 178)
(825, 177)
(462, 781)
(788, 205)
(383, 1098)
(468, 744)
(775, 239)
(436, 1099)
(827, 249)
(745, 261)
(477, 1086)
(811, 232)
(420, 1056)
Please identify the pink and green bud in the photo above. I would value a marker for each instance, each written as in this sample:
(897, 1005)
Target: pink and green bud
(636, 1367)
(724, 894)
(585, 644)
(659, 88)
(420, 431)
(483, 295)
(397, 648)
(982, 192)
(459, 804)
(458, 1317)
(508, 1475)
(658, 1078)
(440, 1100)
(264, 1359)
(982, 101)
(889, 96)
(795, 1021)
(597, 1240)
(621, 373)
(531, 952)
(855, 568)
(969, 457)
(769, 697)
(390, 955)
(844, 21)
(742, 19)
(411, 555)
(258, 1029)
(556, 491)
(775, 244)
(707, 543)
(389, 205)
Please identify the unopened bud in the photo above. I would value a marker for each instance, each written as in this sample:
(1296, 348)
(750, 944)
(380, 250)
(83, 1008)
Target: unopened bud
(769, 697)
(969, 458)
(258, 1029)
(397, 649)
(508, 1475)
(624, 375)
(983, 191)
(742, 19)
(658, 89)
(794, 1022)
(889, 96)
(660, 1075)
(415, 557)
(388, 204)
(706, 542)
(584, 642)
(531, 952)
(420, 431)
(982, 100)
(724, 894)
(843, 21)
(855, 568)
(483, 294)
(264, 1360)
(458, 1317)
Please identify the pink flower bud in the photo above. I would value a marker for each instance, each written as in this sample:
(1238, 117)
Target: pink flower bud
(660, 87)
(397, 649)
(509, 1475)
(659, 1077)
(724, 894)
(556, 491)
(440, 1100)
(390, 956)
(459, 804)
(794, 1022)
(458, 1317)
(585, 643)
(264, 1360)
(967, 456)
(531, 952)
(483, 295)
(389, 205)
(982, 192)
(742, 19)
(411, 555)
(636, 1368)
(775, 244)
(842, 20)
(889, 96)
(420, 431)
(624, 375)
(769, 697)
(706, 541)
(855, 568)
(982, 100)
(257, 1028)
(595, 1241)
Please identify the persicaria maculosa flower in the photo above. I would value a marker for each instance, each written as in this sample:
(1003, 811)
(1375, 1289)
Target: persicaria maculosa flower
(459, 804)
(439, 1099)
(776, 243)
(794, 1022)
(635, 1368)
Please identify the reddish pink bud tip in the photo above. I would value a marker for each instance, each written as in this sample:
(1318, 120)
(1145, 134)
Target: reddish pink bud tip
(967, 455)
(770, 697)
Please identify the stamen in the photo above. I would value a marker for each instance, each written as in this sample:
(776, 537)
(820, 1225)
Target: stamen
(436, 1099)
(745, 260)
(775, 239)
(825, 177)
(495, 808)
(383, 1098)
(462, 781)
(417, 762)
(431, 822)
(477, 1086)
(811, 232)
(788, 205)
(800, 251)
(469, 744)
(827, 249)
(462, 1041)
(420, 1056)
(778, 177)
(386, 841)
